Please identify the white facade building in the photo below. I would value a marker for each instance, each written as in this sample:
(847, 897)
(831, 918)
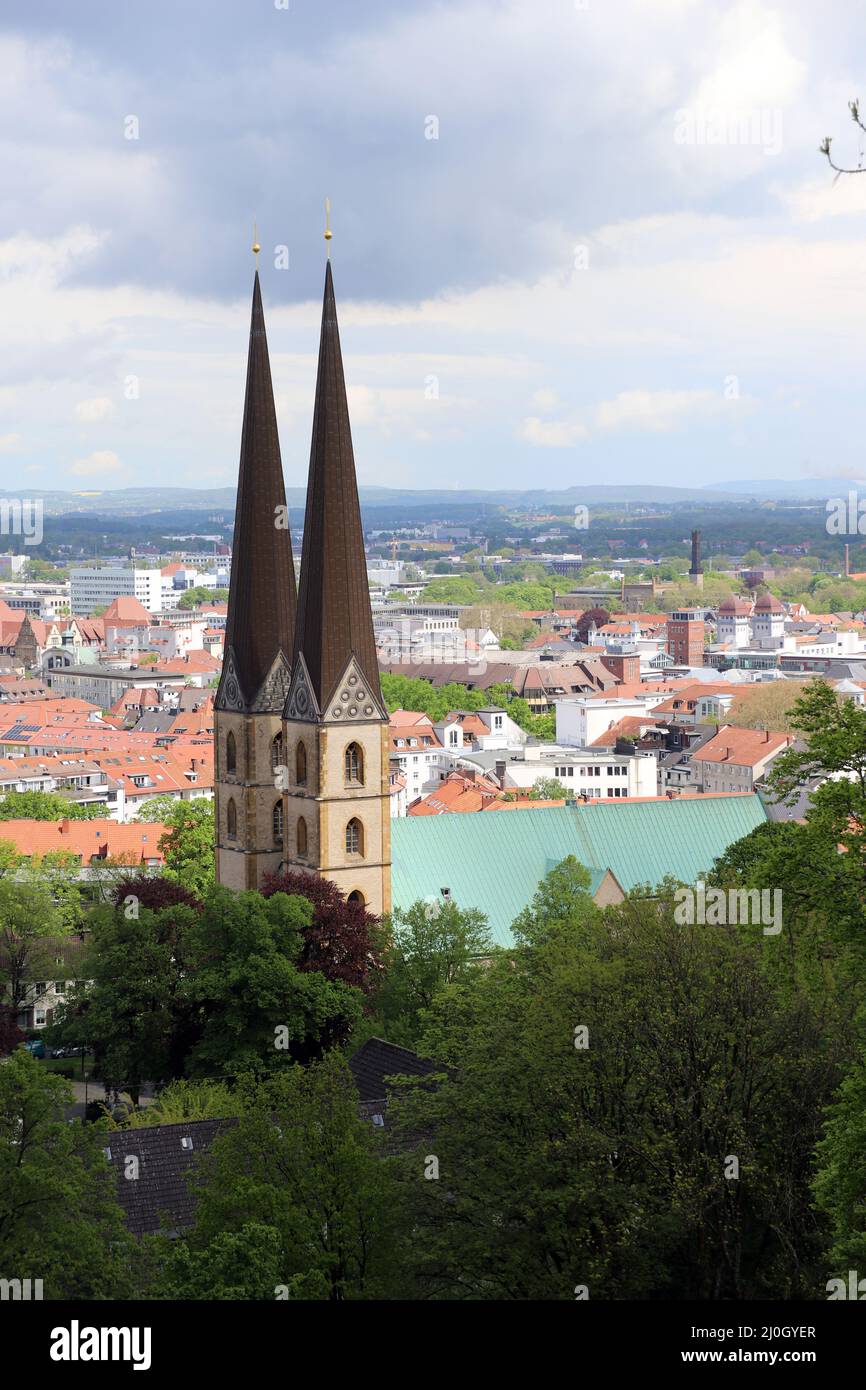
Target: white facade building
(92, 588)
(596, 774)
(580, 722)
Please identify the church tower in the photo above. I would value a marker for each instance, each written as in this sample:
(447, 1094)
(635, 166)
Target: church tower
(259, 640)
(337, 808)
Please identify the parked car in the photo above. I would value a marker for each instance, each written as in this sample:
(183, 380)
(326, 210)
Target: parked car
(35, 1047)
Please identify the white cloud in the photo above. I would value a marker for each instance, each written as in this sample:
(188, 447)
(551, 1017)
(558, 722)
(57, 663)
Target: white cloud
(755, 67)
(95, 409)
(9, 443)
(553, 434)
(658, 411)
(649, 412)
(817, 199)
(101, 462)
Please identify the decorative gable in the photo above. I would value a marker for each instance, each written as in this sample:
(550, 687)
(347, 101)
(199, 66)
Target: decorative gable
(301, 702)
(274, 690)
(229, 696)
(352, 698)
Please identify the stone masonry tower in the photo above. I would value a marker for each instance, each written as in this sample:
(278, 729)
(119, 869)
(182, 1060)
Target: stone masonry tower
(259, 640)
(335, 732)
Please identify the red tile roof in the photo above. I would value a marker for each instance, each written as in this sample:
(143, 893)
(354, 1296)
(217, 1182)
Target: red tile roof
(742, 747)
(125, 611)
(88, 839)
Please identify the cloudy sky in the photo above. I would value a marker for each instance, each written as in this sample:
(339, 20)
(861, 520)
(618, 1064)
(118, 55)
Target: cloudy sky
(574, 240)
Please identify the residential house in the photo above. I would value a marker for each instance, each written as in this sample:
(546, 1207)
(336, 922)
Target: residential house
(736, 760)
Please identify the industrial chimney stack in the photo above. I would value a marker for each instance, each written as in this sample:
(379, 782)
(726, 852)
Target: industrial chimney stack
(696, 573)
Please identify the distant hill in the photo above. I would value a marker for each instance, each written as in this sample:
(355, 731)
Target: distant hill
(151, 500)
(785, 489)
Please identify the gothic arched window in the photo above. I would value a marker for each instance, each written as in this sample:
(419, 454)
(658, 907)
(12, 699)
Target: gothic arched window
(276, 752)
(301, 835)
(301, 765)
(277, 819)
(356, 896)
(231, 753)
(354, 837)
(231, 819)
(354, 765)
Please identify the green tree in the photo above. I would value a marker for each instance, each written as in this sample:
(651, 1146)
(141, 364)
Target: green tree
(562, 901)
(181, 1101)
(840, 1182)
(134, 1016)
(302, 1186)
(30, 926)
(36, 805)
(832, 760)
(40, 571)
(205, 993)
(235, 1265)
(455, 589)
(188, 843)
(10, 857)
(432, 945)
(548, 789)
(258, 1009)
(191, 598)
(59, 1216)
(599, 1082)
(769, 705)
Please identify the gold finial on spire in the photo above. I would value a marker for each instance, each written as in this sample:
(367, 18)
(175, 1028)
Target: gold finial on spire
(328, 232)
(256, 247)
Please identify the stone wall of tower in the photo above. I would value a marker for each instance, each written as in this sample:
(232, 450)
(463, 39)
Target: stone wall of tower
(327, 801)
(254, 787)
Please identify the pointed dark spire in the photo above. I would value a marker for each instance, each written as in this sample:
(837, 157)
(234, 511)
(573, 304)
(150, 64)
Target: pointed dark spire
(334, 617)
(262, 593)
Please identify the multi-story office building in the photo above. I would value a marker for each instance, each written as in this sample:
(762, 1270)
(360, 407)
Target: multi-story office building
(92, 588)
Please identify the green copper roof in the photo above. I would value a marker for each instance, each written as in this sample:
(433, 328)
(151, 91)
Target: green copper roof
(494, 860)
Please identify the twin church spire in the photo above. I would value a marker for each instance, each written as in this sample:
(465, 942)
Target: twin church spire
(301, 732)
(262, 607)
(334, 621)
(270, 623)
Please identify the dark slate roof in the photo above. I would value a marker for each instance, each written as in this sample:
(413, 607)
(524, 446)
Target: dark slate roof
(156, 722)
(334, 619)
(262, 593)
(378, 1060)
(161, 1187)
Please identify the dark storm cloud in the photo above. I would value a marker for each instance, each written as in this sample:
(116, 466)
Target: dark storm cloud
(248, 109)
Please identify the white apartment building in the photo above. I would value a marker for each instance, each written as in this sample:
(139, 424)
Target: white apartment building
(417, 753)
(484, 729)
(46, 601)
(12, 564)
(579, 722)
(594, 774)
(91, 588)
